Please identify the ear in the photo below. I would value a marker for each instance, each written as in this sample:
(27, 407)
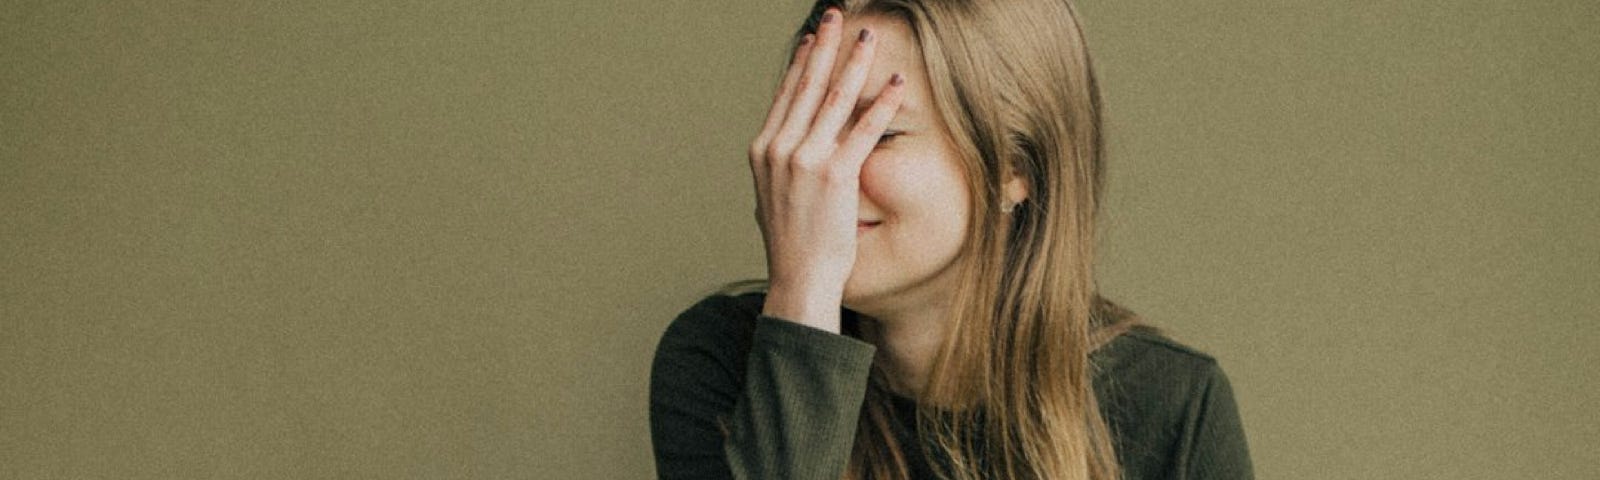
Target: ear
(1015, 188)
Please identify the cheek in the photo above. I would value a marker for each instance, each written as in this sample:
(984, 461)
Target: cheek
(909, 188)
(889, 183)
(876, 180)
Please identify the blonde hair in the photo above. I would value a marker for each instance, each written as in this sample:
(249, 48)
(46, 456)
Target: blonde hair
(1013, 83)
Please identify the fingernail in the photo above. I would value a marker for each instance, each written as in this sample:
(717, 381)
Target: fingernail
(897, 79)
(806, 39)
(828, 17)
(865, 34)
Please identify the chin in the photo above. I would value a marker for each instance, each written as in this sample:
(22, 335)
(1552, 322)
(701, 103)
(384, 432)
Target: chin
(852, 293)
(851, 299)
(860, 295)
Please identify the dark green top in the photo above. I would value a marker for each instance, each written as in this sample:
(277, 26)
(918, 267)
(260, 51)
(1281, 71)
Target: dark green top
(792, 395)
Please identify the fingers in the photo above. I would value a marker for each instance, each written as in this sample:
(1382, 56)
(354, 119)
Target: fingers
(864, 135)
(813, 83)
(775, 116)
(840, 103)
(780, 102)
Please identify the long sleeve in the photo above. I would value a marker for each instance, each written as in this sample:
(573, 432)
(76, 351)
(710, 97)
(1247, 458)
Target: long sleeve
(789, 401)
(1214, 445)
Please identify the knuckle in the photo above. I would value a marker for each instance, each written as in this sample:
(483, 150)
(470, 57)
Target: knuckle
(775, 151)
(825, 177)
(804, 83)
(808, 165)
(834, 99)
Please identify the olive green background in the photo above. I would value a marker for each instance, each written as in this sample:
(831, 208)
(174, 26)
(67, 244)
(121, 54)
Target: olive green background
(440, 239)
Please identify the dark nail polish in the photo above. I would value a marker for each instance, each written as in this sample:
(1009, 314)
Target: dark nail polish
(865, 34)
(897, 79)
(806, 39)
(828, 17)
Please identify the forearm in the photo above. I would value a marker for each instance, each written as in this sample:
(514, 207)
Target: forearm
(796, 417)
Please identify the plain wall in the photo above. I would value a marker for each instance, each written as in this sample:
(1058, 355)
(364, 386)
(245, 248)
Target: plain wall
(441, 239)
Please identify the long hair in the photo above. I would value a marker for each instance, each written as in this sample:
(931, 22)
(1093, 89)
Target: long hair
(1013, 83)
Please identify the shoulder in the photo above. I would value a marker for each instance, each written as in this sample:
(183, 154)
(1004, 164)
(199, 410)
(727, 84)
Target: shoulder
(1159, 395)
(715, 329)
(1154, 361)
(717, 313)
(715, 319)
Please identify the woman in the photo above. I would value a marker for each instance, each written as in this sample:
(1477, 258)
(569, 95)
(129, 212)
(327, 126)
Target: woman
(927, 183)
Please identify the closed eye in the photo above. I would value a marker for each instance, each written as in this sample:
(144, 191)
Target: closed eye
(888, 135)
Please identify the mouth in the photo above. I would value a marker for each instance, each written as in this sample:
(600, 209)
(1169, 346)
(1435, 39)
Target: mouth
(864, 225)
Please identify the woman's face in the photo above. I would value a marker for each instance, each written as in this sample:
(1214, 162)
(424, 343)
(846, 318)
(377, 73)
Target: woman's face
(913, 214)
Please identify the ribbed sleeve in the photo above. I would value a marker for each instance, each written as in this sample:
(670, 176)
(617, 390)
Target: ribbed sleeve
(803, 391)
(788, 395)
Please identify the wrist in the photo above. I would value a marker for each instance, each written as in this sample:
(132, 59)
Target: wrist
(817, 309)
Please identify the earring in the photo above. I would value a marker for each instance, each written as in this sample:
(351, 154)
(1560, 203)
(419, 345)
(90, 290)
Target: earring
(1007, 207)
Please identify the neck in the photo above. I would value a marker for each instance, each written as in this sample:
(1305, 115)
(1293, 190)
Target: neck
(908, 340)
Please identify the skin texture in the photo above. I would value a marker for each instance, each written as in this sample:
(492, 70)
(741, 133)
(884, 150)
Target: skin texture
(913, 183)
(905, 267)
(876, 228)
(807, 163)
